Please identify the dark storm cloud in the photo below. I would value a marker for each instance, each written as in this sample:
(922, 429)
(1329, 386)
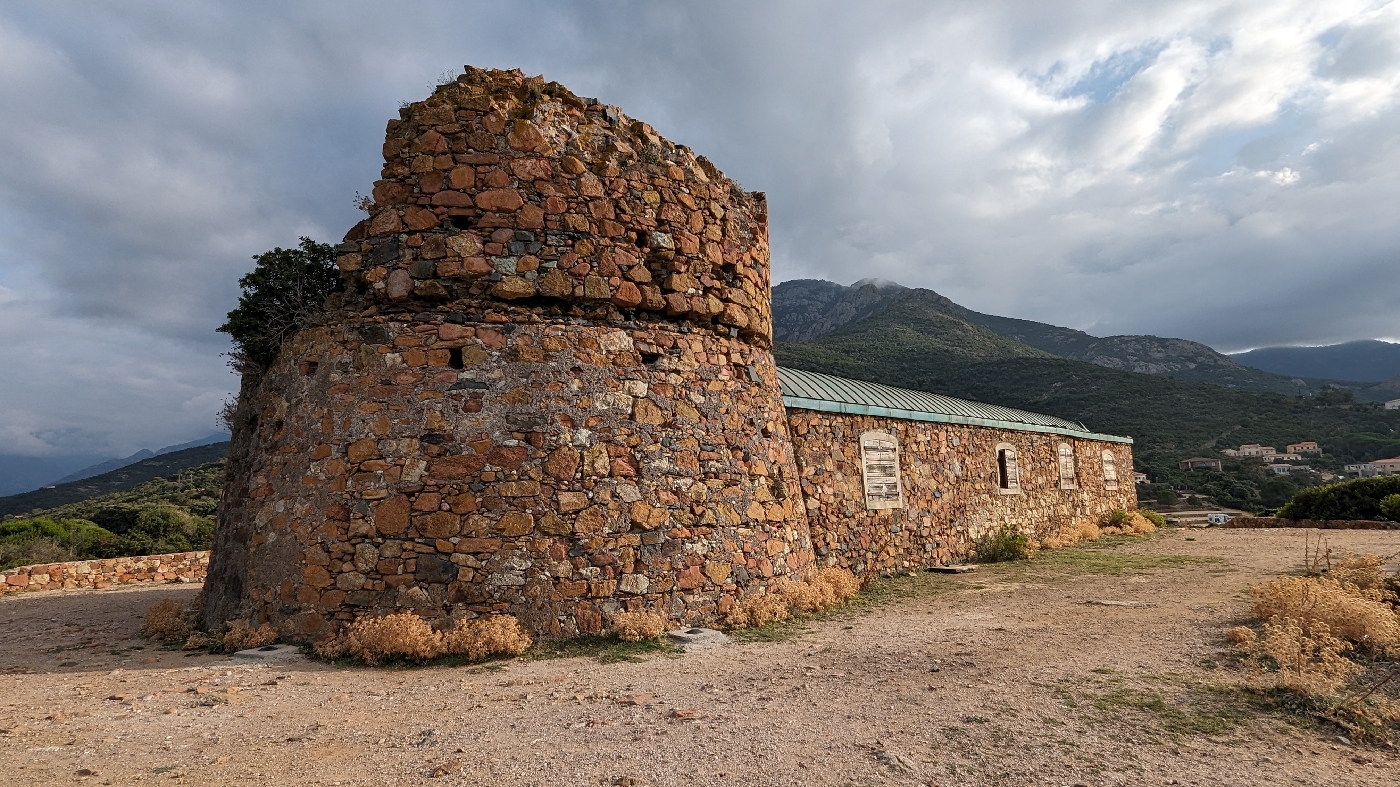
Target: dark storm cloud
(1222, 172)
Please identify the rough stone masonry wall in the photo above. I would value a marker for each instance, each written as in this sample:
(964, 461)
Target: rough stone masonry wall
(96, 574)
(951, 497)
(547, 389)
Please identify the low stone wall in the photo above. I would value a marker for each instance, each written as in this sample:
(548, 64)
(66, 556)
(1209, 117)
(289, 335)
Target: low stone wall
(950, 489)
(97, 574)
(1319, 524)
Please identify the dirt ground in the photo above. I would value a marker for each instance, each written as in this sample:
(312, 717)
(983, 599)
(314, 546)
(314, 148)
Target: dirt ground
(1008, 675)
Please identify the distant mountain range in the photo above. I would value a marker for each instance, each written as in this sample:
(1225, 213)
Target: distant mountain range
(804, 310)
(163, 465)
(1370, 360)
(113, 464)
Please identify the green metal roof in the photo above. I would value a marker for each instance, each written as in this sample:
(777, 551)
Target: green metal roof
(823, 392)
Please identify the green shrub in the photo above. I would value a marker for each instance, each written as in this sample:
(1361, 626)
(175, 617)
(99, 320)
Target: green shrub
(1359, 499)
(43, 540)
(165, 528)
(1390, 506)
(1153, 517)
(1006, 544)
(286, 290)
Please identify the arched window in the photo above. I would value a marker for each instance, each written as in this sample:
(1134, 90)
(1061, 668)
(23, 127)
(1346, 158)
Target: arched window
(1008, 471)
(879, 464)
(1067, 475)
(1110, 470)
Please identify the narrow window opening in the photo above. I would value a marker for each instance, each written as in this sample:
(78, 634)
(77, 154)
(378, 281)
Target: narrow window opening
(650, 358)
(641, 240)
(1068, 479)
(1008, 472)
(454, 357)
(1110, 471)
(461, 222)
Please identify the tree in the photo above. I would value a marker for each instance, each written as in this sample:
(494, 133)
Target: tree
(282, 294)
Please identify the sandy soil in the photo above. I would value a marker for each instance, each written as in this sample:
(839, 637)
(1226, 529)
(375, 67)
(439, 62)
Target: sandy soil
(1009, 675)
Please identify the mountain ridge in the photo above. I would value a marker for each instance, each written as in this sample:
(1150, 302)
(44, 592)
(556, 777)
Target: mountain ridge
(145, 453)
(805, 310)
(1367, 361)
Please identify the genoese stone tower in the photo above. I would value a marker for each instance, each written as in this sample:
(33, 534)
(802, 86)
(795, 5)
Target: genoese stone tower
(547, 389)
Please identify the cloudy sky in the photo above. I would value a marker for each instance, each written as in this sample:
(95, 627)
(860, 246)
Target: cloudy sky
(1227, 172)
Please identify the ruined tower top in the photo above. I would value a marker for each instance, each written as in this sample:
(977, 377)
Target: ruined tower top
(508, 194)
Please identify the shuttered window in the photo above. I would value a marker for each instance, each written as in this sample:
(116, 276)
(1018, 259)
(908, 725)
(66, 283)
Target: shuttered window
(1067, 477)
(879, 462)
(1110, 471)
(1008, 470)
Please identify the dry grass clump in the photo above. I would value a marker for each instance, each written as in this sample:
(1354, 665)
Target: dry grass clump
(1127, 523)
(404, 636)
(1318, 635)
(1364, 571)
(1312, 663)
(757, 611)
(494, 635)
(1084, 530)
(638, 626)
(1324, 605)
(1241, 636)
(241, 637)
(827, 587)
(167, 621)
(400, 635)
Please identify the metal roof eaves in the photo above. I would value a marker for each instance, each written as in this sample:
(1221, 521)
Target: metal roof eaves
(816, 391)
(822, 405)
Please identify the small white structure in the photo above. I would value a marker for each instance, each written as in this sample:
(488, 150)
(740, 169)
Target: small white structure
(1217, 518)
(1393, 404)
(1363, 469)
(1281, 469)
(1388, 466)
(1254, 449)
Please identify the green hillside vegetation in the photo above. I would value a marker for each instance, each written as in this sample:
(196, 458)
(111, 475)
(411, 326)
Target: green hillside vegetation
(156, 517)
(914, 343)
(123, 478)
(1365, 498)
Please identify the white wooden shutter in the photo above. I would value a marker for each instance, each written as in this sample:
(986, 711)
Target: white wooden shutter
(879, 461)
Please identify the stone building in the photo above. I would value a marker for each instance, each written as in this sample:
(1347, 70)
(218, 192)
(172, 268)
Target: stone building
(548, 389)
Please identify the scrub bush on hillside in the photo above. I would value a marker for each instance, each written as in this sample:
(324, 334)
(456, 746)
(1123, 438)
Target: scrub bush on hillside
(140, 530)
(1359, 499)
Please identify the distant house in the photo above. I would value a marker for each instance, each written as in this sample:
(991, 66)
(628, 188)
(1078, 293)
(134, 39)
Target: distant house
(1254, 449)
(1140, 478)
(1281, 469)
(1388, 466)
(1199, 462)
(1305, 447)
(1393, 404)
(1229, 452)
(1362, 469)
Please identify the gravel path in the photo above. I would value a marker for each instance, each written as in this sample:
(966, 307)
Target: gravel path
(1013, 674)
